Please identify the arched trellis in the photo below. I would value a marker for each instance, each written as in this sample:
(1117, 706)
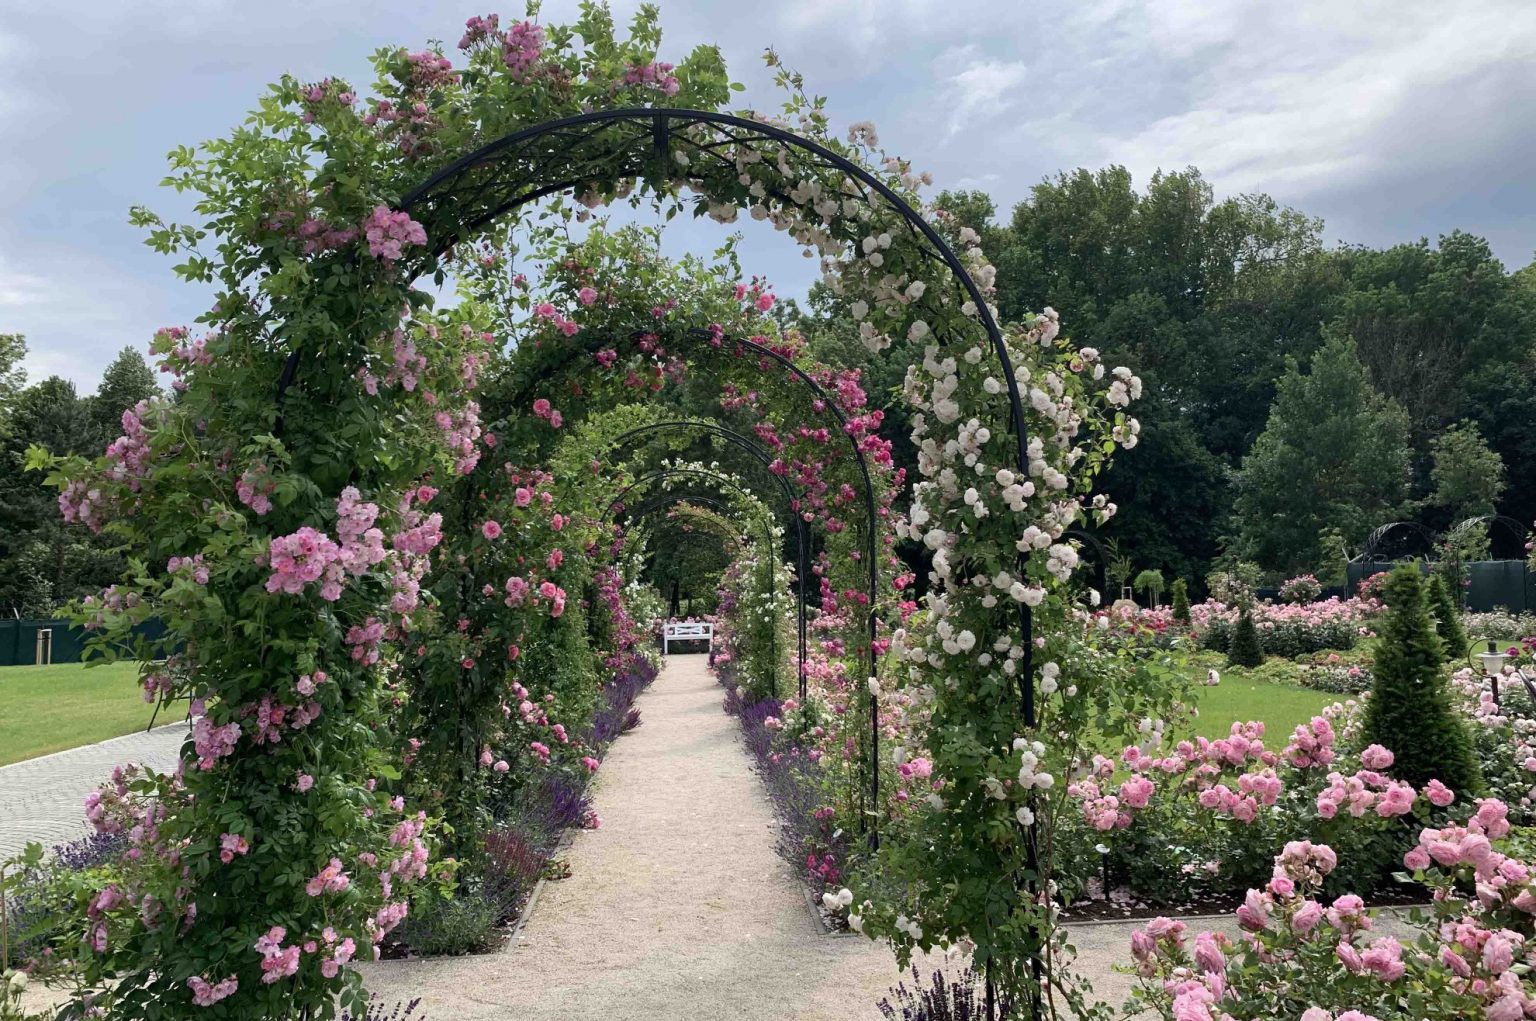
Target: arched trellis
(755, 451)
(615, 145)
(1511, 528)
(719, 478)
(1377, 541)
(709, 339)
(722, 508)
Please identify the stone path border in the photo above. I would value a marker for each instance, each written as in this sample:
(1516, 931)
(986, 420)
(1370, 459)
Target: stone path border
(41, 799)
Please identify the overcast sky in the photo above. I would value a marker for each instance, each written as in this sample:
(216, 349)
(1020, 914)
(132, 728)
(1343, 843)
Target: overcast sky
(1392, 120)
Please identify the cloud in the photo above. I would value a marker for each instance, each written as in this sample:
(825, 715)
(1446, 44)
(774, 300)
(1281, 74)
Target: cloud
(1390, 120)
(1315, 98)
(981, 89)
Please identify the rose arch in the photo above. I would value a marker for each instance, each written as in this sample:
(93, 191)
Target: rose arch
(308, 567)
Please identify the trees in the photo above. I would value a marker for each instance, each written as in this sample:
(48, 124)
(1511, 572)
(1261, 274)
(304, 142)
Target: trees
(1467, 475)
(1334, 454)
(1181, 600)
(1150, 584)
(1409, 711)
(126, 382)
(43, 564)
(1447, 619)
(13, 348)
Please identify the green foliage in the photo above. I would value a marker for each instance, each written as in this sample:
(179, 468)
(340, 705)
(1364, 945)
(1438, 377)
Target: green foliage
(1245, 649)
(1181, 601)
(1410, 710)
(1447, 618)
(126, 381)
(43, 564)
(1233, 582)
(1334, 454)
(1151, 584)
(1467, 476)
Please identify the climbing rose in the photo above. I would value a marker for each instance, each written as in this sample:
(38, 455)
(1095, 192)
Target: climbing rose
(388, 231)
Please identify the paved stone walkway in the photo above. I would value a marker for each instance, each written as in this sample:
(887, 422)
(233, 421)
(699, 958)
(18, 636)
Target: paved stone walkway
(677, 908)
(40, 799)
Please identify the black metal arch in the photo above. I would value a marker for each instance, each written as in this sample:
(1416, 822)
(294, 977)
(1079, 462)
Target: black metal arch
(802, 553)
(1377, 540)
(616, 145)
(725, 511)
(871, 551)
(1514, 529)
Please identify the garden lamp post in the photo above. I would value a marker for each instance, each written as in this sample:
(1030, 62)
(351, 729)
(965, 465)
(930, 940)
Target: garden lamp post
(1491, 659)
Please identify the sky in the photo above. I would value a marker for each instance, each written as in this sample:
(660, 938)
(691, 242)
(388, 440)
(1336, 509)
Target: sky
(1390, 120)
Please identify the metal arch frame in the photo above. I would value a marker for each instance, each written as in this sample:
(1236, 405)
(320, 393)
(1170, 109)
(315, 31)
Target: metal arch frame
(759, 454)
(1379, 535)
(721, 478)
(1511, 526)
(674, 499)
(649, 147)
(649, 142)
(871, 551)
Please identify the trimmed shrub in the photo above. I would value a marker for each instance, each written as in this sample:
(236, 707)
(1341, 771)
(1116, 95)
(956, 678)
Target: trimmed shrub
(1447, 618)
(1246, 650)
(1410, 711)
(1181, 601)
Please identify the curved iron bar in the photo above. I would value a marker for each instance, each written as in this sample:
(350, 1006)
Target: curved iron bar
(1512, 527)
(1100, 558)
(871, 553)
(1379, 536)
(761, 455)
(721, 478)
(633, 158)
(725, 512)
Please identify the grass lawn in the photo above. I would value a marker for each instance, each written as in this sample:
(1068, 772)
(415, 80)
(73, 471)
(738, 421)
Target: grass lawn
(51, 708)
(1280, 706)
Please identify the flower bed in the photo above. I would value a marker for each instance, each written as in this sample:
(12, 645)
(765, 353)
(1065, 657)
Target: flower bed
(1307, 958)
(1200, 821)
(1289, 629)
(530, 825)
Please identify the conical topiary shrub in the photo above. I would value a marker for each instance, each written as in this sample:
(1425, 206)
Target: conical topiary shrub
(1409, 711)
(1447, 618)
(1181, 601)
(1245, 648)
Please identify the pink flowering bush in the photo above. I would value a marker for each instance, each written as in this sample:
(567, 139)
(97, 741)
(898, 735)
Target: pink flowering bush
(1306, 955)
(1289, 630)
(1204, 817)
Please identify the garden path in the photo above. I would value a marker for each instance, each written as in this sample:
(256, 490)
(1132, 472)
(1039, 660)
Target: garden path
(677, 907)
(41, 799)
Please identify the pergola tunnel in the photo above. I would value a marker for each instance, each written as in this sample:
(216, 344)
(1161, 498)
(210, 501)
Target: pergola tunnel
(409, 603)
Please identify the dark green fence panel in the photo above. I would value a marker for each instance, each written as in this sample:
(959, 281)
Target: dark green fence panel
(18, 640)
(1498, 584)
(1492, 584)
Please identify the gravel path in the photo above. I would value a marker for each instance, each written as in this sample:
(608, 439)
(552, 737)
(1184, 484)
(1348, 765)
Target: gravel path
(41, 799)
(676, 908)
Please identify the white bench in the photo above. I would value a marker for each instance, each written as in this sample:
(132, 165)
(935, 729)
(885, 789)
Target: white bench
(689, 632)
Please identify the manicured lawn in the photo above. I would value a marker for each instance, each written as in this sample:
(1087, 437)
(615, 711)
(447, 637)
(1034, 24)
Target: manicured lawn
(51, 708)
(1280, 706)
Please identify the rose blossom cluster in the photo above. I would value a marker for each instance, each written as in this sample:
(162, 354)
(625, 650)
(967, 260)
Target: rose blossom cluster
(388, 231)
(308, 555)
